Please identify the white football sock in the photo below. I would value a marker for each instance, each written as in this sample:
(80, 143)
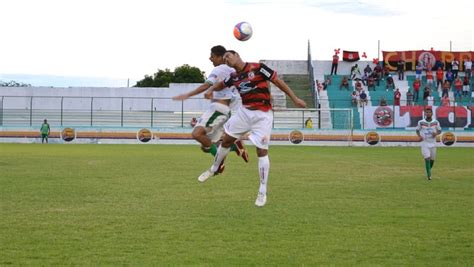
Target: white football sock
(220, 156)
(263, 169)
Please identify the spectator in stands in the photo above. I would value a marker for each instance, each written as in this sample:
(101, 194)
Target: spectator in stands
(368, 70)
(438, 64)
(386, 71)
(378, 72)
(358, 86)
(450, 76)
(355, 98)
(409, 98)
(363, 98)
(371, 82)
(446, 87)
(465, 86)
(468, 68)
(418, 70)
(455, 67)
(430, 99)
(382, 102)
(364, 78)
(326, 83)
(416, 90)
(458, 89)
(344, 83)
(401, 69)
(354, 72)
(471, 101)
(429, 77)
(426, 93)
(390, 83)
(396, 97)
(335, 62)
(439, 77)
(328, 80)
(309, 123)
(319, 86)
(445, 101)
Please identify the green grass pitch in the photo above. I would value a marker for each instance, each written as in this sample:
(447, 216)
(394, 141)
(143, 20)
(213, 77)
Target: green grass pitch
(142, 205)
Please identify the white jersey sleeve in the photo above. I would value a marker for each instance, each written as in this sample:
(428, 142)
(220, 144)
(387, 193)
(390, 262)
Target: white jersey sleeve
(218, 74)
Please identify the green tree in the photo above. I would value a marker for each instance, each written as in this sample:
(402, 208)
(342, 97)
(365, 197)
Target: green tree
(163, 78)
(188, 74)
(146, 82)
(182, 74)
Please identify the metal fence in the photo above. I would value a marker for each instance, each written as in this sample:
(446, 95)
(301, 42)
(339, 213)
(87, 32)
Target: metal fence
(119, 112)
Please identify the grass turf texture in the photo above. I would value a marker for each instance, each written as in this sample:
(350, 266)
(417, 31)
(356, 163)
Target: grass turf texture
(142, 205)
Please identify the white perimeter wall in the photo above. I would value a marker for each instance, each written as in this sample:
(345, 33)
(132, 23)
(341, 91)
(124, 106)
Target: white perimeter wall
(79, 98)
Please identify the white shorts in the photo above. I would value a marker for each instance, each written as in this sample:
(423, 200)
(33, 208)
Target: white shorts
(428, 151)
(256, 122)
(213, 120)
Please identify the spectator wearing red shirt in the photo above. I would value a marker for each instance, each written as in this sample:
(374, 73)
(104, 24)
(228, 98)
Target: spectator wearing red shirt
(396, 97)
(439, 77)
(465, 86)
(416, 90)
(429, 77)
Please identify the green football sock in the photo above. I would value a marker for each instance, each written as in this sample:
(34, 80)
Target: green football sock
(432, 163)
(213, 150)
(233, 147)
(428, 167)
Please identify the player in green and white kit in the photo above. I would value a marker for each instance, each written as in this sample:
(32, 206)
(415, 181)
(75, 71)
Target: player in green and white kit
(45, 130)
(210, 126)
(427, 129)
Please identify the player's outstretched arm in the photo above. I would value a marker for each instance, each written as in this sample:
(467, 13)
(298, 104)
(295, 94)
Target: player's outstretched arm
(203, 87)
(287, 90)
(216, 87)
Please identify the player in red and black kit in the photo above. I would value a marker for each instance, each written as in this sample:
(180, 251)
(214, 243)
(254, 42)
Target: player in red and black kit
(253, 117)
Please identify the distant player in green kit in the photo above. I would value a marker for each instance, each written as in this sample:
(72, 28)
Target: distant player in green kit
(44, 131)
(427, 130)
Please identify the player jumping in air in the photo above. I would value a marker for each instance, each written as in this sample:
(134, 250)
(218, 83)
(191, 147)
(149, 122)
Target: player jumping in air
(254, 115)
(209, 127)
(427, 130)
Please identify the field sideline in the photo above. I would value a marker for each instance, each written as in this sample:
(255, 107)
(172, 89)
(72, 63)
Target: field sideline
(142, 205)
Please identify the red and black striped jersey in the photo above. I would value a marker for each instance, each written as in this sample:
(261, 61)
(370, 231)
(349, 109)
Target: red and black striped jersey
(252, 84)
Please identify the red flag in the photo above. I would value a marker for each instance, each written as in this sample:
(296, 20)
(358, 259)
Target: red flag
(350, 56)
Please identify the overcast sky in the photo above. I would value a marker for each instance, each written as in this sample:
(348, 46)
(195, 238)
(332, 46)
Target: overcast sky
(127, 39)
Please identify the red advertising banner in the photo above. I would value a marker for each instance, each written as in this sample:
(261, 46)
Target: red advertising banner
(430, 57)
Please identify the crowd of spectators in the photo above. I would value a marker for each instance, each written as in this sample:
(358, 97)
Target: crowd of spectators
(452, 78)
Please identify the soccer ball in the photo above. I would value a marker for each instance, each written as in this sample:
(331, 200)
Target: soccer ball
(243, 31)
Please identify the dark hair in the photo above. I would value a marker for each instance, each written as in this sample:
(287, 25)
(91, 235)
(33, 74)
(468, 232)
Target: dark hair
(218, 50)
(232, 51)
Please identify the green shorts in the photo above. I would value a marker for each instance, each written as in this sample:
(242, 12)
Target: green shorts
(44, 135)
